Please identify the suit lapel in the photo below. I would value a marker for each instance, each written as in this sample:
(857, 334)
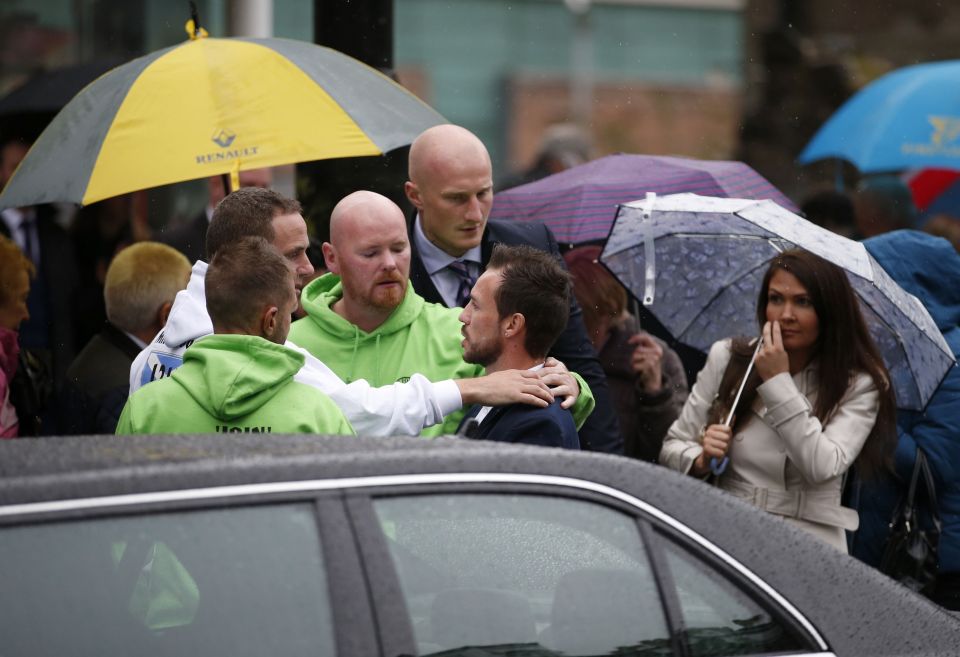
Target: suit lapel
(422, 283)
(489, 422)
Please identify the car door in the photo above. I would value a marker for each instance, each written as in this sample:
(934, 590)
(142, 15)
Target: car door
(512, 564)
(242, 570)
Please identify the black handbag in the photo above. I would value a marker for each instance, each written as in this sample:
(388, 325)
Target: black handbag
(910, 555)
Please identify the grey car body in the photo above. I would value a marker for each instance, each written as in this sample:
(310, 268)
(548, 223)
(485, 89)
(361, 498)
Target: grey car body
(52, 490)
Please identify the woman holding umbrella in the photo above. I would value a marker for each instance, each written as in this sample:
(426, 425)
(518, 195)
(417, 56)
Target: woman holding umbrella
(793, 412)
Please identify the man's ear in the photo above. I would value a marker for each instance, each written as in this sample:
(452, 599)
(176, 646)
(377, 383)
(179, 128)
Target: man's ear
(164, 312)
(514, 325)
(330, 258)
(413, 194)
(268, 322)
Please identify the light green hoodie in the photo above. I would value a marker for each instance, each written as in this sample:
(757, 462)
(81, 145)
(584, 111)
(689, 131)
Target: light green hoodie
(231, 384)
(418, 337)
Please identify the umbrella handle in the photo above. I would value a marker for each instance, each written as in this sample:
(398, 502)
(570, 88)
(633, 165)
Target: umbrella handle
(717, 468)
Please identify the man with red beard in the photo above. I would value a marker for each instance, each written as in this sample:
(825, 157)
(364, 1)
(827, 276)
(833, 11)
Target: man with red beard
(365, 320)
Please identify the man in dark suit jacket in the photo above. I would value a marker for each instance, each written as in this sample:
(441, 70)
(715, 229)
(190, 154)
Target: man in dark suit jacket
(190, 238)
(517, 309)
(451, 186)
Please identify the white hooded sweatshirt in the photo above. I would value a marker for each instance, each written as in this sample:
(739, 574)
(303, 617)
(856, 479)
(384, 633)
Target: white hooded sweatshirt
(398, 409)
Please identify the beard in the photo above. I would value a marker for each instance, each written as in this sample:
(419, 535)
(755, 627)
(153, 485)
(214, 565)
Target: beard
(484, 353)
(375, 297)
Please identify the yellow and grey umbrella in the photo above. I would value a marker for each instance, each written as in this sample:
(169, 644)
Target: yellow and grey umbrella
(214, 106)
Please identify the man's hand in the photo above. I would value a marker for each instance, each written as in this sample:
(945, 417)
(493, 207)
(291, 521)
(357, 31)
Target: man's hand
(772, 358)
(505, 387)
(562, 384)
(646, 362)
(716, 442)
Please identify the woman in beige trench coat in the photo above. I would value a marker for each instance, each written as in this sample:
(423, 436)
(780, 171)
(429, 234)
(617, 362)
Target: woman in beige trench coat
(817, 400)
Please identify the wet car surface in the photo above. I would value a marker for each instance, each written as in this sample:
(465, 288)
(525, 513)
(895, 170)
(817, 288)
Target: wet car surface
(301, 545)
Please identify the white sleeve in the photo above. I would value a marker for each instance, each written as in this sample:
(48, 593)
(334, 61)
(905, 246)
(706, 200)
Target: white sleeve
(398, 409)
(821, 452)
(681, 446)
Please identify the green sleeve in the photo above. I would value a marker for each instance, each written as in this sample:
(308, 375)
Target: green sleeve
(583, 407)
(124, 425)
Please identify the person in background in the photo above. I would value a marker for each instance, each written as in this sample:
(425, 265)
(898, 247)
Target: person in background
(140, 286)
(944, 226)
(562, 146)
(100, 231)
(818, 399)
(15, 273)
(883, 203)
(190, 238)
(50, 335)
(517, 309)
(832, 210)
(241, 378)
(451, 187)
(927, 267)
(647, 382)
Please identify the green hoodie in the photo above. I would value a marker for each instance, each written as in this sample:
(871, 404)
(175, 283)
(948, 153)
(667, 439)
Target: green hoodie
(418, 337)
(229, 384)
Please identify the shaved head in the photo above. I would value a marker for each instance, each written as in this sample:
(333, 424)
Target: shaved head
(363, 207)
(451, 185)
(370, 252)
(443, 146)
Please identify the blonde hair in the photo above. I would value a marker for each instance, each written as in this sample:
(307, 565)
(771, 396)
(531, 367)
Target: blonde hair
(140, 279)
(12, 260)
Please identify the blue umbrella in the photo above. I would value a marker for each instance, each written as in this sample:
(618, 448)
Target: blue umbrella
(909, 118)
(697, 262)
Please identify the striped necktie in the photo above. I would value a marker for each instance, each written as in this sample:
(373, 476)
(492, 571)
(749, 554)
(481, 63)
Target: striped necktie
(459, 267)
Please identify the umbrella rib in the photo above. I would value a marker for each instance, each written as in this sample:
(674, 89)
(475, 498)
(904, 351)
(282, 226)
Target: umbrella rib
(719, 291)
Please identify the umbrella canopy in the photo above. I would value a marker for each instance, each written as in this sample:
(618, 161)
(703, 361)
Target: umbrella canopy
(579, 204)
(698, 262)
(907, 119)
(49, 91)
(935, 191)
(214, 106)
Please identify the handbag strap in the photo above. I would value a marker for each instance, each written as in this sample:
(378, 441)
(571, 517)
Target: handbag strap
(922, 467)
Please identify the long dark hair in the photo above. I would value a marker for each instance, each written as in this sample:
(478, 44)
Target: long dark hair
(844, 348)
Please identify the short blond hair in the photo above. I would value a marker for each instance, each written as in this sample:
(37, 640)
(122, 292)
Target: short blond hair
(140, 279)
(12, 260)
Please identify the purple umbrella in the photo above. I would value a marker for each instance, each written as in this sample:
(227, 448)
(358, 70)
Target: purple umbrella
(579, 204)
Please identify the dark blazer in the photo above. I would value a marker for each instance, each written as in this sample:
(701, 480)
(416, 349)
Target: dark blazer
(601, 432)
(190, 238)
(98, 383)
(521, 423)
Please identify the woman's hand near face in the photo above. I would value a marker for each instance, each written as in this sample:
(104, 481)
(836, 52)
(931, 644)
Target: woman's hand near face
(646, 362)
(772, 358)
(716, 443)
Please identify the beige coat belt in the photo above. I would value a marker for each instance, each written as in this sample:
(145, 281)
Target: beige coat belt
(814, 506)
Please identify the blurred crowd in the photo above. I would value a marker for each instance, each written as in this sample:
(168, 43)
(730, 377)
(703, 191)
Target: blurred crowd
(439, 321)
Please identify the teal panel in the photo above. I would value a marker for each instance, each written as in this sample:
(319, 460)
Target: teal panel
(468, 48)
(293, 19)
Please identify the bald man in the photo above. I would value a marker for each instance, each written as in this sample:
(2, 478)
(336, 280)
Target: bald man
(366, 321)
(451, 187)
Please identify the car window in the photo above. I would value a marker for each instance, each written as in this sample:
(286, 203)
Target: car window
(718, 617)
(233, 582)
(555, 575)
